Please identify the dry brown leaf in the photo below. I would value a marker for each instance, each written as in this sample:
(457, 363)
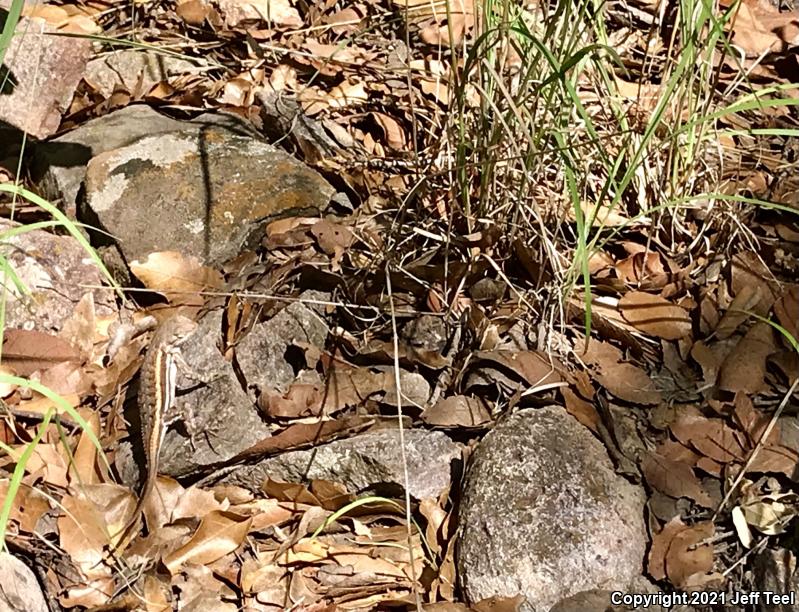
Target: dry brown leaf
(350, 93)
(193, 12)
(535, 368)
(776, 459)
(749, 271)
(738, 312)
(273, 12)
(674, 478)
(642, 267)
(686, 558)
(629, 383)
(28, 351)
(392, 131)
(602, 215)
(301, 400)
(27, 507)
(608, 322)
(219, 533)
(347, 19)
(334, 239)
(585, 412)
(433, 8)
(711, 437)
(179, 278)
(457, 411)
(624, 380)
(84, 466)
(744, 368)
(299, 435)
(752, 422)
(758, 30)
(787, 311)
(661, 541)
(448, 33)
(654, 315)
(674, 451)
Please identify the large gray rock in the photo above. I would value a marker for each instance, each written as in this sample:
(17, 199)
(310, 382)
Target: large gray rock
(370, 462)
(544, 514)
(60, 164)
(48, 266)
(774, 570)
(202, 191)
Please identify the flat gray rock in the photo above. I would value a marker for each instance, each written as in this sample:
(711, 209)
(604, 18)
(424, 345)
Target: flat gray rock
(544, 514)
(60, 163)
(370, 462)
(202, 191)
(44, 71)
(47, 265)
(261, 354)
(134, 69)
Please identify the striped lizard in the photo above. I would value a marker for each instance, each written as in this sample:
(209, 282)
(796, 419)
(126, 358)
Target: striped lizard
(156, 397)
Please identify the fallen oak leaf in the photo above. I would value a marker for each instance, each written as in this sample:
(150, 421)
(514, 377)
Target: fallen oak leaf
(690, 553)
(655, 315)
(629, 383)
(711, 437)
(661, 541)
(674, 478)
(28, 351)
(787, 311)
(744, 368)
(457, 411)
(219, 533)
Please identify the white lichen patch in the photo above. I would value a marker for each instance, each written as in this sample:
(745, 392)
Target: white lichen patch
(105, 197)
(161, 151)
(33, 276)
(195, 226)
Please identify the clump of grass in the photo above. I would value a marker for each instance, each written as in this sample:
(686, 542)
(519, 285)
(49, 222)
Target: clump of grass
(546, 147)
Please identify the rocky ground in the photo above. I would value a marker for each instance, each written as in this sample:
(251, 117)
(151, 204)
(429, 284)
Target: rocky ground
(396, 396)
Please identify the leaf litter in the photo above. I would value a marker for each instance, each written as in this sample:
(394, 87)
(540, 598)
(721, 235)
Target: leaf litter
(669, 321)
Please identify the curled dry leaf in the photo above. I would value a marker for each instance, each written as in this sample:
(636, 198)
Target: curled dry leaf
(219, 533)
(744, 368)
(585, 412)
(457, 411)
(690, 554)
(661, 541)
(392, 131)
(654, 315)
(770, 513)
(711, 437)
(179, 278)
(674, 478)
